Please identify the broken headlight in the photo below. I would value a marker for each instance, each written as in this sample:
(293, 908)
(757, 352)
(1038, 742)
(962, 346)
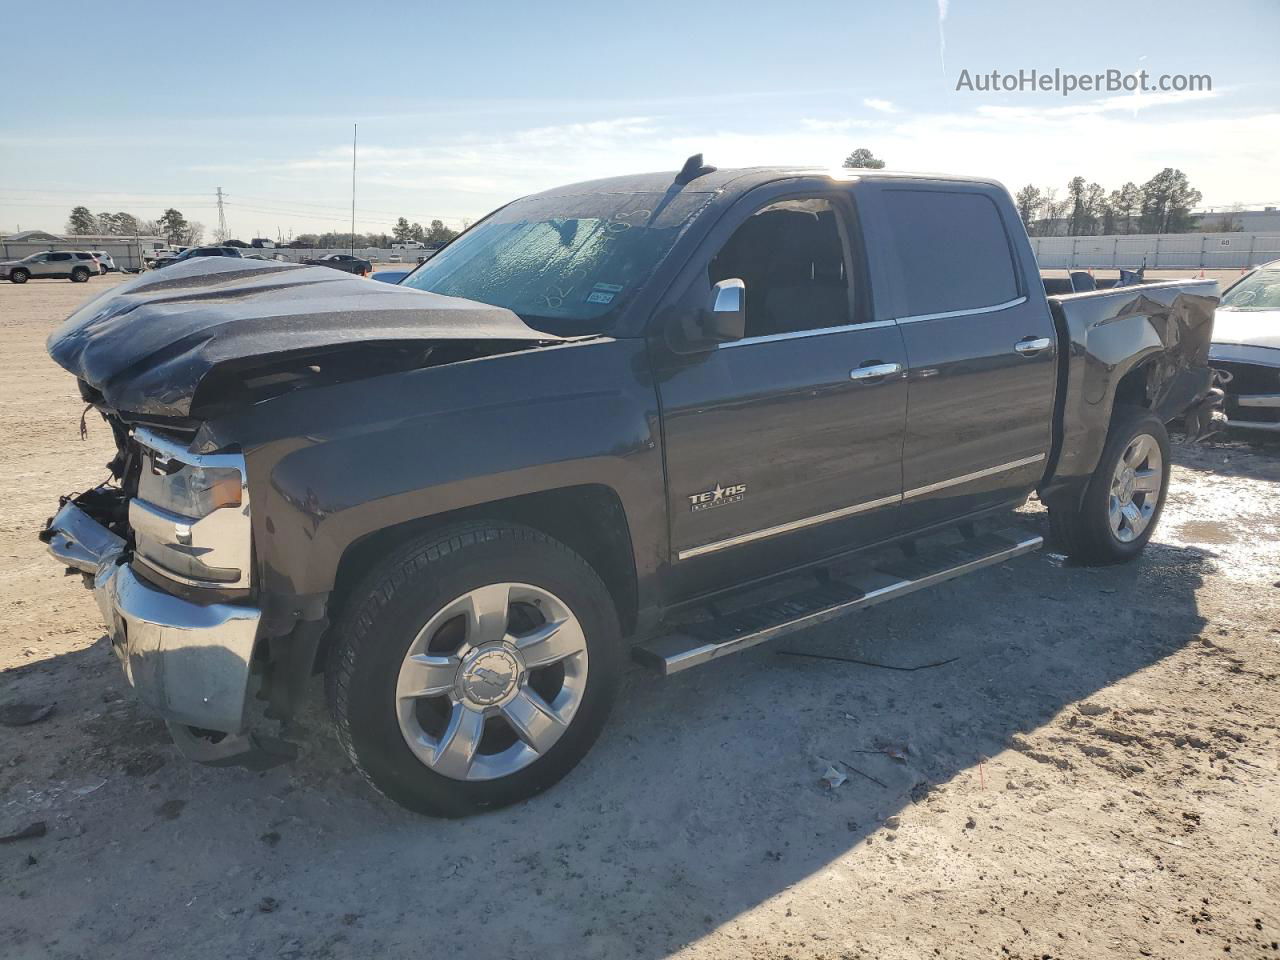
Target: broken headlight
(190, 518)
(187, 490)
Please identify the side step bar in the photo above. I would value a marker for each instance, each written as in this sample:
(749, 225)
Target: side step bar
(701, 642)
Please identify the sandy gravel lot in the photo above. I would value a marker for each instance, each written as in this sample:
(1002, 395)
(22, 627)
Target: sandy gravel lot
(1096, 775)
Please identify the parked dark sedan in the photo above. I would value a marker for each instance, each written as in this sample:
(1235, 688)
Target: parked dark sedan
(1246, 349)
(344, 262)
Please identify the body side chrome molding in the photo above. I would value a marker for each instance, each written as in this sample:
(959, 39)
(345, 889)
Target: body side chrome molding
(976, 475)
(787, 527)
(691, 552)
(973, 311)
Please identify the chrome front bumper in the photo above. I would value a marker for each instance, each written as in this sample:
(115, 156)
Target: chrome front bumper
(188, 661)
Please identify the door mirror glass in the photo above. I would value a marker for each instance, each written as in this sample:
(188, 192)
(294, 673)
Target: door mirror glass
(724, 318)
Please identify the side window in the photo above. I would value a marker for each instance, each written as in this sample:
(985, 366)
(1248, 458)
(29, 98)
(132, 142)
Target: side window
(791, 256)
(950, 251)
(59, 256)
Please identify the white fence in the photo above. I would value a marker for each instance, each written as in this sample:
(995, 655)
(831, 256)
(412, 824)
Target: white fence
(373, 254)
(1167, 251)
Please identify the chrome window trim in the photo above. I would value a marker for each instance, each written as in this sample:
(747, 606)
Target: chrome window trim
(974, 311)
(691, 552)
(802, 334)
(976, 475)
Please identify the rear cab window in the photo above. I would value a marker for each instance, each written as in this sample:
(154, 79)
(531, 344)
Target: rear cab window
(946, 250)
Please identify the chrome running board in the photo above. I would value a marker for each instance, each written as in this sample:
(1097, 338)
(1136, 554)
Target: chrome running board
(701, 642)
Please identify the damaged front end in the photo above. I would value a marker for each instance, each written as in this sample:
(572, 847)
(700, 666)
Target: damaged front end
(168, 546)
(167, 552)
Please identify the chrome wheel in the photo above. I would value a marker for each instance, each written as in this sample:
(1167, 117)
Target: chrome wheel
(1135, 488)
(492, 681)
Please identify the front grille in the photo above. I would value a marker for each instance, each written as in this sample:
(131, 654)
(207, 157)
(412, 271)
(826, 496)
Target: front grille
(1248, 377)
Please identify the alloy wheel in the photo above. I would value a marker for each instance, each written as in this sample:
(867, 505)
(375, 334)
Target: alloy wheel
(1135, 488)
(492, 681)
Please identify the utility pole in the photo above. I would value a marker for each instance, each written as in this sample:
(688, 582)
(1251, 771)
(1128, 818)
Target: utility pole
(355, 129)
(222, 220)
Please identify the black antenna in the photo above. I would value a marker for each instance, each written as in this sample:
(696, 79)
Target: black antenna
(693, 169)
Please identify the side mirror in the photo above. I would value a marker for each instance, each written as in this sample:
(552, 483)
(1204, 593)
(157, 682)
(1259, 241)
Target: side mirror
(724, 318)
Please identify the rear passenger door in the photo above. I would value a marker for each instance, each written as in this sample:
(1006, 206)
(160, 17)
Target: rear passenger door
(57, 265)
(980, 346)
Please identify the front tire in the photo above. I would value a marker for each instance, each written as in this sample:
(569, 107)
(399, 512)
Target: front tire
(1122, 503)
(19, 276)
(474, 668)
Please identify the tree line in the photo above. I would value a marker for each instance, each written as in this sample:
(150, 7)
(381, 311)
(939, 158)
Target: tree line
(172, 225)
(180, 231)
(1161, 205)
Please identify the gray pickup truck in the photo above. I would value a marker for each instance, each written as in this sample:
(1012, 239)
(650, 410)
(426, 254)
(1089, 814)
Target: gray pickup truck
(671, 415)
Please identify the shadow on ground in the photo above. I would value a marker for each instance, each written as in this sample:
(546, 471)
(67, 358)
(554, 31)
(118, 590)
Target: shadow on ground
(701, 801)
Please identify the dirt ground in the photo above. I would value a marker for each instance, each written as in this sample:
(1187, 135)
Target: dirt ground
(1095, 775)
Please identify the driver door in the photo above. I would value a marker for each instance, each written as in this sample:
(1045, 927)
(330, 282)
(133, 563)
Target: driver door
(783, 447)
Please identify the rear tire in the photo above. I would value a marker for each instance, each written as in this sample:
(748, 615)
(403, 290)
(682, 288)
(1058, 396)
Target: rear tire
(19, 276)
(1122, 503)
(79, 274)
(467, 615)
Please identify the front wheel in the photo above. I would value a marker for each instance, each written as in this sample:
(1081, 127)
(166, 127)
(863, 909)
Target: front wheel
(19, 276)
(474, 669)
(1122, 503)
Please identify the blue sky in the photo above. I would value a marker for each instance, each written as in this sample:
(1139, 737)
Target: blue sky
(461, 109)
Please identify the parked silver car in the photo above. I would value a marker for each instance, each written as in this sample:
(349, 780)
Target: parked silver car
(74, 265)
(104, 258)
(1246, 349)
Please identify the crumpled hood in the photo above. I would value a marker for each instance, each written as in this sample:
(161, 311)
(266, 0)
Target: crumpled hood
(1254, 328)
(147, 344)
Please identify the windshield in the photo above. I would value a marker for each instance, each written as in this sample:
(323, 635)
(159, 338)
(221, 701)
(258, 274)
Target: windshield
(1258, 291)
(564, 264)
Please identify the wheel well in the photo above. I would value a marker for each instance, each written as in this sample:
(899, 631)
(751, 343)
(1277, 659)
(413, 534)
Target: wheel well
(588, 519)
(1132, 388)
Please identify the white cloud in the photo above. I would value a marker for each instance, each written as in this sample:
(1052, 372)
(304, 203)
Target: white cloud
(943, 7)
(881, 106)
(1123, 103)
(1227, 153)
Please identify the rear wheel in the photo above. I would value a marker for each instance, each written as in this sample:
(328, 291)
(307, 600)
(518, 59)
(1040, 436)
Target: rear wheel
(474, 669)
(79, 274)
(19, 276)
(1121, 506)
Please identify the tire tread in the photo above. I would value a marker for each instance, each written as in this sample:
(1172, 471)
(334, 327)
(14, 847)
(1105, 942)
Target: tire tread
(385, 581)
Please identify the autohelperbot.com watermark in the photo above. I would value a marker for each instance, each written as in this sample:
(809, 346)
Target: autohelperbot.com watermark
(1066, 82)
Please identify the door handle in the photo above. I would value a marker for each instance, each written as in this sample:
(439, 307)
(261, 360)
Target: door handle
(874, 371)
(1030, 346)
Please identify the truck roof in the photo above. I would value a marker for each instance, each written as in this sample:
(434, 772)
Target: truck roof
(740, 179)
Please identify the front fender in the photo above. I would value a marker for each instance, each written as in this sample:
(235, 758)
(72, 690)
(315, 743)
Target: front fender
(332, 465)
